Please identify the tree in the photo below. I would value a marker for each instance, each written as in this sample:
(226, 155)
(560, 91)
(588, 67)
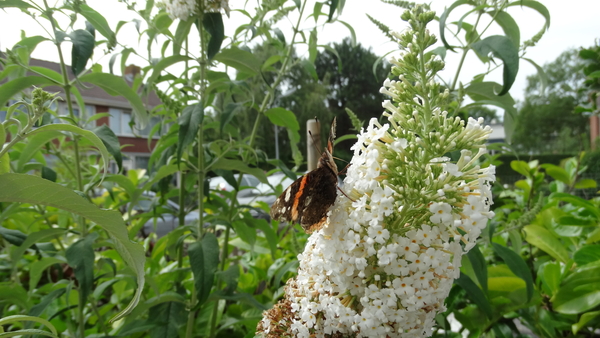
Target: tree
(546, 122)
(352, 85)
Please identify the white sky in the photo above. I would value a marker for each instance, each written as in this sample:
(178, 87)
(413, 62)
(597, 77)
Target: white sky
(574, 24)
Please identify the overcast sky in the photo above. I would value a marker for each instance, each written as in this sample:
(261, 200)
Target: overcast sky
(574, 24)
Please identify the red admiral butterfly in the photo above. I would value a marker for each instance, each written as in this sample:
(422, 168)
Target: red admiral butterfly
(307, 200)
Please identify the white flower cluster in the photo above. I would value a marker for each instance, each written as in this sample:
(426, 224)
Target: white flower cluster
(183, 9)
(180, 9)
(358, 275)
(389, 252)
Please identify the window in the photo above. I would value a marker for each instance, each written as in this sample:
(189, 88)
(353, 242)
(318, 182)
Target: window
(119, 121)
(63, 110)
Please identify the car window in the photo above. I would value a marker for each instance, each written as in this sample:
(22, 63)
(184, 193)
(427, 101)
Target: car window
(250, 181)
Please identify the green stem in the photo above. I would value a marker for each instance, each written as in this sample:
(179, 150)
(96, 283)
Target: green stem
(464, 55)
(189, 330)
(269, 96)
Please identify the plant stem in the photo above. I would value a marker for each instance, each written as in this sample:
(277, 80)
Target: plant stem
(463, 56)
(269, 96)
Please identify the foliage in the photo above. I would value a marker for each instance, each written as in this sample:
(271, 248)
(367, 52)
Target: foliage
(591, 57)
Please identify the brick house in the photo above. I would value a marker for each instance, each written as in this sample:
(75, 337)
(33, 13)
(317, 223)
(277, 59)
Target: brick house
(136, 150)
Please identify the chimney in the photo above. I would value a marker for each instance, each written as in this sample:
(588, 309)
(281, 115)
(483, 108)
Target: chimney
(131, 72)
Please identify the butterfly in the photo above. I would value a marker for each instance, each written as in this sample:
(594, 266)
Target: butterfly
(307, 200)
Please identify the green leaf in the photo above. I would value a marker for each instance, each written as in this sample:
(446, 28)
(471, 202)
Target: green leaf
(230, 277)
(213, 23)
(23, 318)
(116, 84)
(39, 267)
(574, 298)
(14, 3)
(245, 232)
(586, 183)
(503, 48)
(538, 6)
(576, 201)
(239, 59)
(204, 259)
(189, 122)
(80, 256)
(352, 32)
(509, 26)
(517, 265)
(88, 135)
(223, 163)
(475, 293)
(34, 143)
(99, 22)
(48, 174)
(551, 277)
(30, 189)
(14, 294)
(230, 109)
(443, 19)
(167, 317)
(284, 118)
(587, 254)
(164, 63)
(81, 52)
(38, 308)
(557, 173)
(333, 4)
(181, 33)
(521, 167)
(13, 87)
(14, 237)
(33, 238)
(479, 267)
(485, 93)
(584, 319)
(4, 164)
(309, 67)
(541, 75)
(270, 234)
(111, 141)
(544, 240)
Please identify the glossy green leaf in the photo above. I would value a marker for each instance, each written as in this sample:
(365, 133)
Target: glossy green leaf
(239, 59)
(551, 276)
(12, 236)
(584, 319)
(204, 259)
(31, 189)
(80, 256)
(517, 265)
(39, 267)
(475, 293)
(189, 122)
(83, 47)
(479, 267)
(111, 84)
(503, 48)
(99, 22)
(49, 174)
(574, 298)
(587, 254)
(111, 141)
(544, 240)
(213, 23)
(240, 166)
(586, 183)
(557, 173)
(443, 19)
(521, 167)
(576, 201)
(509, 26)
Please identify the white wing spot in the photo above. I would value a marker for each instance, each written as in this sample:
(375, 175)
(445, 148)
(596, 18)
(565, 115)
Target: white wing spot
(288, 194)
(308, 199)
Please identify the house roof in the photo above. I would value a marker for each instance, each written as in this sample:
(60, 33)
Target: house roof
(93, 94)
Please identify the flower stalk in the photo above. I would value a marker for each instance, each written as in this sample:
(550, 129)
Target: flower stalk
(388, 255)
